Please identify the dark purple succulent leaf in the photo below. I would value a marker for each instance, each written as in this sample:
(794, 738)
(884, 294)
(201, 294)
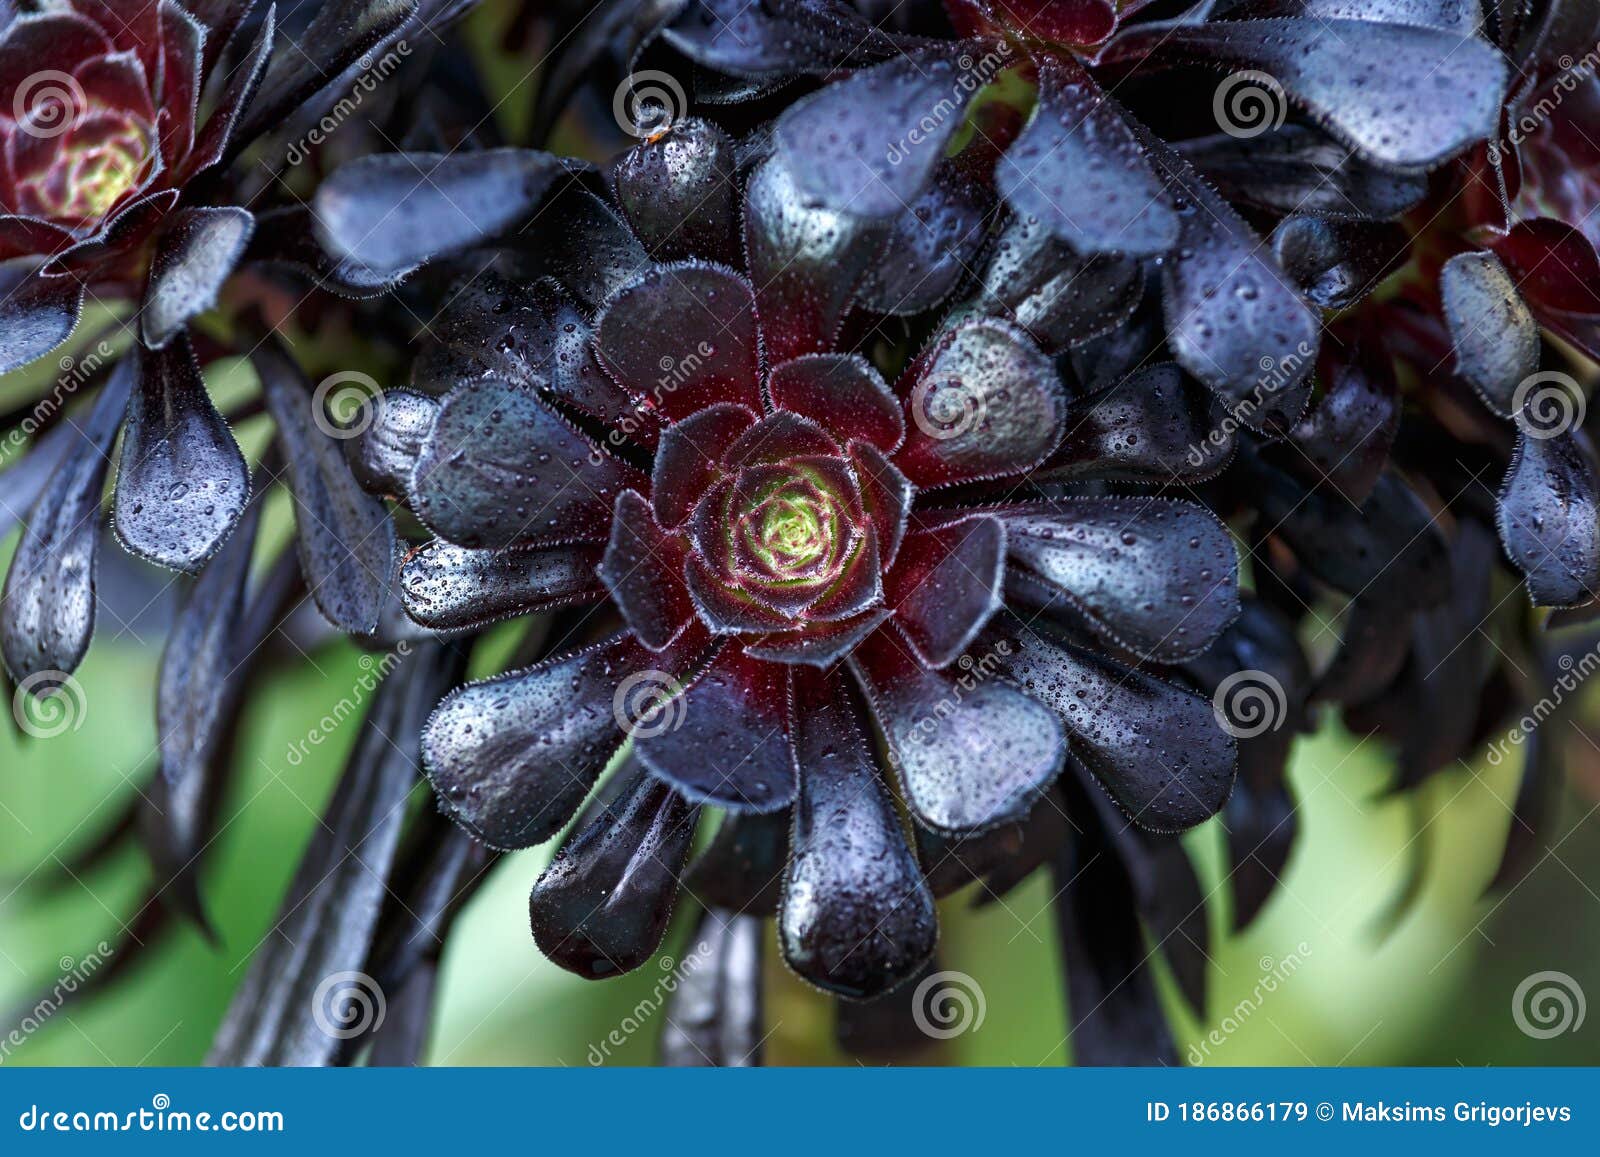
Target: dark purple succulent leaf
(682, 337)
(1404, 96)
(981, 403)
(741, 870)
(728, 611)
(512, 757)
(844, 394)
(25, 480)
(1153, 576)
(1460, 16)
(219, 137)
(1058, 297)
(1154, 426)
(181, 75)
(280, 1013)
(1345, 439)
(780, 438)
(383, 455)
(1116, 1016)
(726, 740)
(182, 481)
(946, 584)
(583, 39)
(193, 257)
(601, 908)
(30, 237)
(680, 192)
(345, 537)
(807, 264)
(888, 1029)
(688, 461)
(500, 467)
(390, 212)
(1301, 170)
(446, 587)
(1235, 320)
(47, 615)
(820, 644)
(37, 314)
(887, 495)
(1549, 518)
(1493, 334)
(713, 1017)
(971, 752)
(643, 569)
(583, 243)
(401, 1040)
(1001, 857)
(1337, 263)
(1079, 171)
(931, 245)
(857, 916)
(1155, 748)
(128, 228)
(286, 238)
(1372, 648)
(758, 41)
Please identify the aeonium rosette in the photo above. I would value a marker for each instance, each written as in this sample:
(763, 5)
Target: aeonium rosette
(794, 571)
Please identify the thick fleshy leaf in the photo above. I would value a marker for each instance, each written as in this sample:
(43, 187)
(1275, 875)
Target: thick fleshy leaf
(983, 402)
(383, 455)
(1495, 338)
(1337, 263)
(946, 584)
(775, 40)
(844, 394)
(36, 315)
(742, 869)
(181, 75)
(867, 145)
(931, 245)
(886, 493)
(1060, 298)
(1404, 96)
(22, 482)
(193, 258)
(971, 752)
(1155, 426)
(602, 906)
(1154, 576)
(643, 570)
(585, 245)
(1078, 170)
(1549, 518)
(182, 481)
(512, 757)
(1155, 748)
(447, 587)
(390, 212)
(727, 610)
(306, 986)
(820, 644)
(1234, 319)
(286, 238)
(726, 740)
(680, 192)
(345, 537)
(714, 1015)
(683, 337)
(1345, 440)
(49, 600)
(1557, 271)
(1461, 16)
(219, 136)
(857, 915)
(689, 459)
(807, 264)
(500, 467)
